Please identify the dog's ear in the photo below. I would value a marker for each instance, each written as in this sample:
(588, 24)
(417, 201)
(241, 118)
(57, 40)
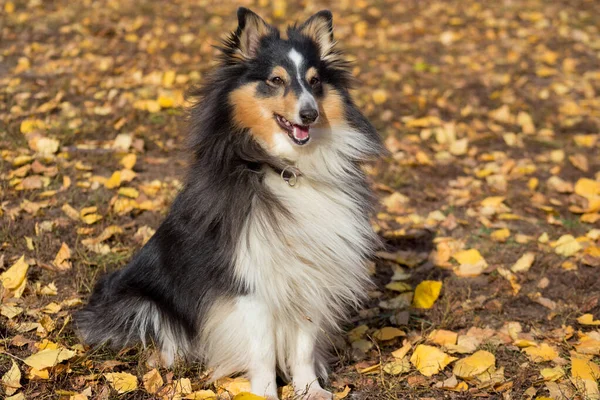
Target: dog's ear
(319, 28)
(251, 29)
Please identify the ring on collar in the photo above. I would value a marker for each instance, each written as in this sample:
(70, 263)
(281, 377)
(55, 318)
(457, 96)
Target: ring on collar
(289, 175)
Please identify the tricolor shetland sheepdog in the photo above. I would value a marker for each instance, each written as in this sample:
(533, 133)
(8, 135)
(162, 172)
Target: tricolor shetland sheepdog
(265, 249)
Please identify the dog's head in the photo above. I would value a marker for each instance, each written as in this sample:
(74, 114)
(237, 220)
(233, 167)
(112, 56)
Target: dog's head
(291, 89)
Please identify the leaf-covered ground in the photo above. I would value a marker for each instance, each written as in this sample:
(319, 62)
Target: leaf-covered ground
(490, 194)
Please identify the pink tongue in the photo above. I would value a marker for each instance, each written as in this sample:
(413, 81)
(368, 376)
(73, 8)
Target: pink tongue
(301, 132)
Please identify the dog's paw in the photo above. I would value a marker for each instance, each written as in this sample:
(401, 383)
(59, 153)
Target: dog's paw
(318, 394)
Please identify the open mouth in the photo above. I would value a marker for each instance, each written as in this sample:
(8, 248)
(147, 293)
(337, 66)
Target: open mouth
(300, 134)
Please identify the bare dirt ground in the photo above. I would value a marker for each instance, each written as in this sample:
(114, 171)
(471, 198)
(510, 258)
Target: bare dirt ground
(490, 111)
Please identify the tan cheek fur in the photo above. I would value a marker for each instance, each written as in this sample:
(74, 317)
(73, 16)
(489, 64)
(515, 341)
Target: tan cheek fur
(331, 108)
(256, 113)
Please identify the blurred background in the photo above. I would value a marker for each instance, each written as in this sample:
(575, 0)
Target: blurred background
(490, 111)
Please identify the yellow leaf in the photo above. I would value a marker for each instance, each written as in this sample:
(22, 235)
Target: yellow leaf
(589, 344)
(360, 29)
(471, 256)
(37, 374)
(397, 367)
(18, 396)
(557, 156)
(500, 235)
(567, 246)
(395, 202)
(30, 125)
(61, 261)
(45, 146)
(533, 183)
(114, 180)
(70, 211)
(340, 395)
(152, 106)
(12, 379)
(402, 351)
(526, 123)
(471, 263)
(9, 7)
(430, 360)
(91, 218)
(248, 396)
(52, 308)
(398, 286)
(48, 358)
(128, 161)
(122, 142)
(234, 385)
(168, 78)
(379, 96)
(552, 374)
(584, 368)
(183, 386)
(588, 319)
(129, 192)
(587, 188)
(585, 140)
(201, 395)
(459, 147)
(524, 263)
(279, 8)
(388, 333)
(443, 337)
(475, 364)
(122, 382)
(165, 101)
(584, 374)
(14, 277)
(10, 310)
(426, 293)
(542, 353)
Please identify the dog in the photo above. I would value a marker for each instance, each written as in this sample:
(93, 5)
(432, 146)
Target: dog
(265, 250)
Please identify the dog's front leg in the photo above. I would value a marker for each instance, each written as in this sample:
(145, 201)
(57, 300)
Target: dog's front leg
(303, 364)
(259, 339)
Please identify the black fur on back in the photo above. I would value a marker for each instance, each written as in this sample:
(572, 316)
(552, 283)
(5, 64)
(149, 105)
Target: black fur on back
(188, 263)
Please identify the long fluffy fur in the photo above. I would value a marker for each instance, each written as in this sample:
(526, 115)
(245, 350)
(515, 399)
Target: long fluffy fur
(239, 245)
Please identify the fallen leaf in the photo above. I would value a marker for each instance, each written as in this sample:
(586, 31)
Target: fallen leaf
(201, 395)
(122, 382)
(379, 96)
(397, 367)
(388, 333)
(430, 360)
(426, 293)
(152, 381)
(248, 396)
(524, 263)
(541, 353)
(114, 180)
(12, 379)
(567, 246)
(48, 358)
(61, 261)
(15, 278)
(588, 319)
(500, 235)
(475, 364)
(552, 374)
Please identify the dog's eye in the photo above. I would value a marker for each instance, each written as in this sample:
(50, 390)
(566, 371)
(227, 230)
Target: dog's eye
(277, 81)
(314, 81)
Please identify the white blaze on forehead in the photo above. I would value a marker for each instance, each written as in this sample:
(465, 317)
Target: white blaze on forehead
(306, 99)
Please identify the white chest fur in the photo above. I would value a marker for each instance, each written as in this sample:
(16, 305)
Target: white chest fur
(312, 265)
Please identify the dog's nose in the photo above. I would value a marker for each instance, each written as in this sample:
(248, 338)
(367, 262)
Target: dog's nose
(308, 115)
